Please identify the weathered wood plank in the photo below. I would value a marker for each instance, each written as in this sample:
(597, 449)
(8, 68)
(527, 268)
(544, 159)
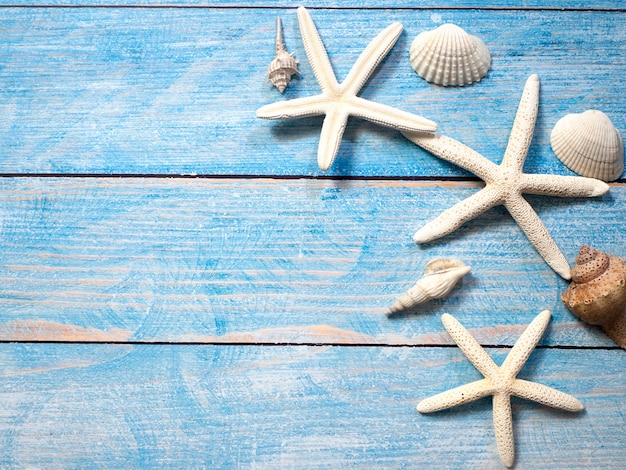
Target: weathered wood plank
(303, 261)
(71, 406)
(175, 90)
(362, 4)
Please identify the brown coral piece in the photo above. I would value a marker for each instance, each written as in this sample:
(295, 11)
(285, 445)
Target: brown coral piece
(597, 293)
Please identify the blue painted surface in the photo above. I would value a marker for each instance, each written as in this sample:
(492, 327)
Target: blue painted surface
(363, 4)
(280, 407)
(153, 321)
(175, 91)
(214, 260)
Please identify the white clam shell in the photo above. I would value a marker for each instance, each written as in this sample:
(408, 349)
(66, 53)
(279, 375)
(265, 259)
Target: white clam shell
(440, 277)
(589, 144)
(449, 56)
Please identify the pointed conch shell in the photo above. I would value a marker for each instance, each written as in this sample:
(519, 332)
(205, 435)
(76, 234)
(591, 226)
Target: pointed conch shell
(285, 65)
(597, 293)
(449, 56)
(589, 144)
(440, 277)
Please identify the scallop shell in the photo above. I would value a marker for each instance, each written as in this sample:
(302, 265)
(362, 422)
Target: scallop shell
(440, 277)
(597, 293)
(589, 144)
(449, 56)
(285, 65)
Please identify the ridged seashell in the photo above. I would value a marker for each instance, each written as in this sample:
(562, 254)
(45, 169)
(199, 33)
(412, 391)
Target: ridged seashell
(440, 277)
(285, 65)
(449, 56)
(589, 144)
(597, 293)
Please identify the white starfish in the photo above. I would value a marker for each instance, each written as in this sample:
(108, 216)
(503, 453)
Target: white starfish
(500, 382)
(505, 183)
(338, 101)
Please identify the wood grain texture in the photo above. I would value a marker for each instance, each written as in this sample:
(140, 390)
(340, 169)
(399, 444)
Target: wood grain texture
(615, 5)
(238, 321)
(175, 90)
(287, 261)
(149, 406)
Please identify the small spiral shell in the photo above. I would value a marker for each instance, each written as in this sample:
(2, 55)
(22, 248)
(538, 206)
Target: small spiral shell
(284, 65)
(440, 277)
(597, 293)
(590, 264)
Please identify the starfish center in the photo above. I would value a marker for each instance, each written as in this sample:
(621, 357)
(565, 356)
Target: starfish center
(334, 96)
(508, 184)
(502, 383)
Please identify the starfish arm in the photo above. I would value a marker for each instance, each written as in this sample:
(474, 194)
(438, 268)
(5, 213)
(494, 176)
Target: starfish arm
(369, 59)
(523, 126)
(316, 52)
(455, 152)
(525, 345)
(456, 396)
(470, 347)
(457, 215)
(563, 186)
(538, 235)
(330, 138)
(388, 116)
(503, 427)
(296, 108)
(545, 395)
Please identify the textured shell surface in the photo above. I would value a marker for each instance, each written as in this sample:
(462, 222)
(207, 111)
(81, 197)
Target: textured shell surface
(284, 65)
(443, 265)
(440, 277)
(281, 69)
(589, 144)
(597, 293)
(449, 56)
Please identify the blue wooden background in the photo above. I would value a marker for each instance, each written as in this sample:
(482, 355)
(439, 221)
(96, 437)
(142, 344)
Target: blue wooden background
(182, 287)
